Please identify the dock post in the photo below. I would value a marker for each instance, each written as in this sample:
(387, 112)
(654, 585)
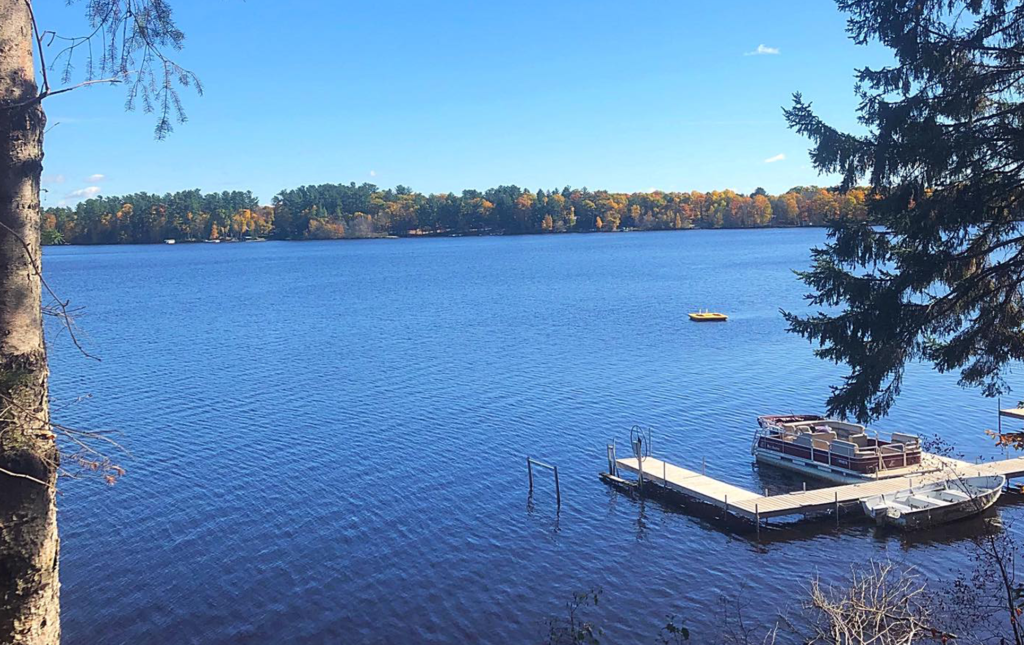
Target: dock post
(558, 490)
(726, 504)
(999, 420)
(529, 470)
(878, 449)
(766, 492)
(615, 460)
(837, 508)
(805, 487)
(664, 474)
(640, 471)
(757, 519)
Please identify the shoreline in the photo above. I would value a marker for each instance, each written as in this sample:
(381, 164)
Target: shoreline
(451, 235)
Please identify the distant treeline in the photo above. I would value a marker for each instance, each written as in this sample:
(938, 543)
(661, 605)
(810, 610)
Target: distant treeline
(333, 211)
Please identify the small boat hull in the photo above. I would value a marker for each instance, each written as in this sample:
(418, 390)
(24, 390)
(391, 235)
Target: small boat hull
(708, 317)
(937, 503)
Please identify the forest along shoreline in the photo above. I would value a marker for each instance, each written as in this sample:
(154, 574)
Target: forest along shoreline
(340, 211)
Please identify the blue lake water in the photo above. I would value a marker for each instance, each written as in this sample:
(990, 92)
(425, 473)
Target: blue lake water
(328, 439)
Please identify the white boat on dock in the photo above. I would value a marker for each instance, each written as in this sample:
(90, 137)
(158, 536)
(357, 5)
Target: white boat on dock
(936, 502)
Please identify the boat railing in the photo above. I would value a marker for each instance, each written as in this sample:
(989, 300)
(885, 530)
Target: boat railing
(865, 444)
(758, 433)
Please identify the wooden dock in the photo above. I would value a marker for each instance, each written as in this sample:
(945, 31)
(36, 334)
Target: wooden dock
(755, 506)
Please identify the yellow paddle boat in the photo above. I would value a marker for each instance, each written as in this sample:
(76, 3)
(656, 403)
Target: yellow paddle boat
(708, 316)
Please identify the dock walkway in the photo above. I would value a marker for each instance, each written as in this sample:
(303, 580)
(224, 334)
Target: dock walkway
(754, 506)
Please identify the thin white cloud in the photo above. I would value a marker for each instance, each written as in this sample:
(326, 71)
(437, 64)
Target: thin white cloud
(48, 180)
(778, 157)
(373, 173)
(94, 179)
(84, 193)
(764, 50)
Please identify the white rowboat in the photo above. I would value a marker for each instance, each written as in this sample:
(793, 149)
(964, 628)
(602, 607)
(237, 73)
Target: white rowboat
(935, 503)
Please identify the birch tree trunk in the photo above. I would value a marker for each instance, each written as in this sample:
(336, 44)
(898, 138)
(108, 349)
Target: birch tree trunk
(29, 546)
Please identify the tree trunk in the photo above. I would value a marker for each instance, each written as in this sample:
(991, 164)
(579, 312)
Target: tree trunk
(29, 585)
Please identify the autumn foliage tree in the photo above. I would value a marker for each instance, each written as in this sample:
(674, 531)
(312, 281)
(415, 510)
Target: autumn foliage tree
(330, 211)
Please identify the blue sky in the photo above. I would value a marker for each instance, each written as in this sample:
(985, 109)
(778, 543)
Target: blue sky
(443, 96)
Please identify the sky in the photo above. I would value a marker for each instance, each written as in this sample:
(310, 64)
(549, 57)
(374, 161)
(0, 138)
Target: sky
(443, 96)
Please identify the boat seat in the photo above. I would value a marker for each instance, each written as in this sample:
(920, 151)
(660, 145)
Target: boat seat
(820, 440)
(899, 437)
(916, 501)
(847, 428)
(952, 495)
(859, 439)
(884, 504)
(844, 448)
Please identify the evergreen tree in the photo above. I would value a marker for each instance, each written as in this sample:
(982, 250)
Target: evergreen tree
(934, 270)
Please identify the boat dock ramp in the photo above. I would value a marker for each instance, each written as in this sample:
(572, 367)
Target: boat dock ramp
(754, 507)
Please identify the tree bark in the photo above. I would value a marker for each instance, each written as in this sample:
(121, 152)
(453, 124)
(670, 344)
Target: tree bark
(29, 545)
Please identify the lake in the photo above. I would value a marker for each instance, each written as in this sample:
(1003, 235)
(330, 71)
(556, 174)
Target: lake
(328, 439)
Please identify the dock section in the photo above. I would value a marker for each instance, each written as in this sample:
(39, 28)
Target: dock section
(755, 507)
(687, 482)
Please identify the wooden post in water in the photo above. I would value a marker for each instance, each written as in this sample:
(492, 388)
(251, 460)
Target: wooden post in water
(726, 504)
(529, 469)
(558, 490)
(757, 519)
(837, 508)
(999, 420)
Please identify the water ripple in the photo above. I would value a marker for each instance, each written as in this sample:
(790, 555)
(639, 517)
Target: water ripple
(329, 439)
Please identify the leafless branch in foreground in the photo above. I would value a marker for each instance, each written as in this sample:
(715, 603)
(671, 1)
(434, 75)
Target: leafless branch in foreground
(882, 605)
(85, 451)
